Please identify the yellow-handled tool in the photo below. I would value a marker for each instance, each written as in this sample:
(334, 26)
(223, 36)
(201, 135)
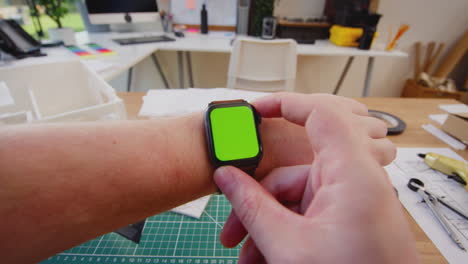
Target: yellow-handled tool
(455, 169)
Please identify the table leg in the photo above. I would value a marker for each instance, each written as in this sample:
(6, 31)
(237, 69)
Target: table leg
(161, 73)
(343, 74)
(189, 68)
(180, 63)
(367, 83)
(129, 79)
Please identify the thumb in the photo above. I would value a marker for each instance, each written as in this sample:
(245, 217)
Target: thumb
(258, 210)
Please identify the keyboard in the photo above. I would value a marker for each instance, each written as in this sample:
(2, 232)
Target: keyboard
(141, 40)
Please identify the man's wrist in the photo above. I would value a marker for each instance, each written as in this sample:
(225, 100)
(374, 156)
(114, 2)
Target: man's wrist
(284, 143)
(195, 153)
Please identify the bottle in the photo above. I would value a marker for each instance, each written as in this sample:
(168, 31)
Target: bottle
(204, 20)
(367, 37)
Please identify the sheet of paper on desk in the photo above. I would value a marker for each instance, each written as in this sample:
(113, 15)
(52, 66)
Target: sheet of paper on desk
(182, 101)
(408, 165)
(194, 208)
(454, 108)
(440, 119)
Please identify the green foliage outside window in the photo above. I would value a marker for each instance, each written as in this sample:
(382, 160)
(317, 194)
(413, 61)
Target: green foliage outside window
(261, 9)
(55, 9)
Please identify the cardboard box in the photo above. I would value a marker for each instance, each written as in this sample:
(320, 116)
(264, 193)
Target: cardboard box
(413, 89)
(464, 98)
(457, 126)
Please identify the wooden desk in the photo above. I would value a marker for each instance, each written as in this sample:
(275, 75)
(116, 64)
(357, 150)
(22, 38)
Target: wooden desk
(413, 111)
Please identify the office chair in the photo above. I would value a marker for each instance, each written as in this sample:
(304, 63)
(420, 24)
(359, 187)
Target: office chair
(263, 65)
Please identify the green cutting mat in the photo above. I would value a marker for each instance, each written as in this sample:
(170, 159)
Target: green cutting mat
(167, 238)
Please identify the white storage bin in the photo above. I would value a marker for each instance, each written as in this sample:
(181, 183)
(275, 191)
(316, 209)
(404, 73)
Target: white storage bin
(60, 91)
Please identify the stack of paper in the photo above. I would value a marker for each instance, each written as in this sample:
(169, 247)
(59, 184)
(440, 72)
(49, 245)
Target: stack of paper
(183, 101)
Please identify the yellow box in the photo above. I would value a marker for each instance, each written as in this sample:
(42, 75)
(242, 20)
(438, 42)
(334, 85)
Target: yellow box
(346, 36)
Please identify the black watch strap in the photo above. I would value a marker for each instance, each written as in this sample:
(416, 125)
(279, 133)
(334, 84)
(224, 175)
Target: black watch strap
(227, 101)
(250, 170)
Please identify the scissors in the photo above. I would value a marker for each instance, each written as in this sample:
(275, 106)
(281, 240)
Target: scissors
(433, 202)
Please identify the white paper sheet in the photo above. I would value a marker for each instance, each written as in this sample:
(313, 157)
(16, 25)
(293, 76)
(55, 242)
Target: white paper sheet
(440, 119)
(408, 165)
(451, 141)
(5, 96)
(454, 108)
(194, 208)
(183, 101)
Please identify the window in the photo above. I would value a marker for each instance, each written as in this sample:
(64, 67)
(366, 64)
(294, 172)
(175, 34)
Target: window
(21, 12)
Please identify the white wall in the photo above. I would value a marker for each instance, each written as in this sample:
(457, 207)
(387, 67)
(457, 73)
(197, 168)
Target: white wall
(299, 8)
(430, 20)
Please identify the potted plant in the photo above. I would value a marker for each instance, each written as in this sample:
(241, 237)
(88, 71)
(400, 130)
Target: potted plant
(56, 10)
(259, 10)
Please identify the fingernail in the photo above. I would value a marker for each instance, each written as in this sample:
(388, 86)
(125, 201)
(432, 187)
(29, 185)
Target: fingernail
(223, 177)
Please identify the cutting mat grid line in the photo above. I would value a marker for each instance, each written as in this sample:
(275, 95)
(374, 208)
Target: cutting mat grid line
(166, 238)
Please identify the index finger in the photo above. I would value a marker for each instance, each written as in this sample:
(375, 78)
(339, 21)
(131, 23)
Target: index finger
(296, 108)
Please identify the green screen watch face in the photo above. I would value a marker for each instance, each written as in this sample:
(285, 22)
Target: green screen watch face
(234, 133)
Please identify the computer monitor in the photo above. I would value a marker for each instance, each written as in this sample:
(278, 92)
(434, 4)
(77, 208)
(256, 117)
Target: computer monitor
(122, 11)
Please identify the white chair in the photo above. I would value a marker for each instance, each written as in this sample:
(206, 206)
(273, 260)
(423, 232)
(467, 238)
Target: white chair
(263, 65)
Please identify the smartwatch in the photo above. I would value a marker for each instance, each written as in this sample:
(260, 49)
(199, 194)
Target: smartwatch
(232, 135)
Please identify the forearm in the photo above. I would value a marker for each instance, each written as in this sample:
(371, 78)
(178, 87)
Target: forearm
(62, 185)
